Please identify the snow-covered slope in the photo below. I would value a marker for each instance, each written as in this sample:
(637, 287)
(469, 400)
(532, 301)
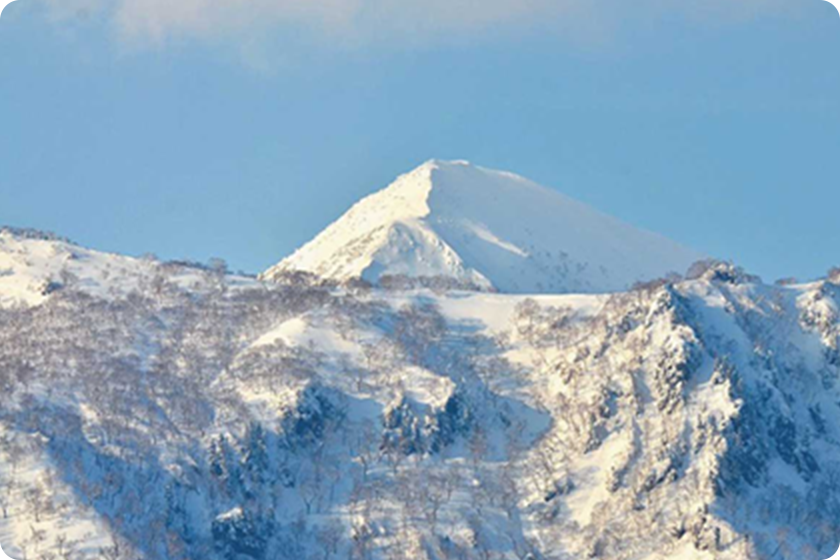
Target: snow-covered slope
(34, 264)
(696, 420)
(163, 411)
(485, 229)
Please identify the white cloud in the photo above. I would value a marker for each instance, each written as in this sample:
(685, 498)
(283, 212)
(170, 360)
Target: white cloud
(414, 21)
(63, 10)
(157, 19)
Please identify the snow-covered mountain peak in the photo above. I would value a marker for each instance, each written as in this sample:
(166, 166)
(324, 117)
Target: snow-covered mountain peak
(484, 229)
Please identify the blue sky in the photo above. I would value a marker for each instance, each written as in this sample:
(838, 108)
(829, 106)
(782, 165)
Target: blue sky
(202, 130)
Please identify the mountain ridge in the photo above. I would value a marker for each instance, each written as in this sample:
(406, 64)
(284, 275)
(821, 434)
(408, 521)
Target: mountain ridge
(691, 419)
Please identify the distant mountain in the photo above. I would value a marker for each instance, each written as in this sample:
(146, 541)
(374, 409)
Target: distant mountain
(485, 229)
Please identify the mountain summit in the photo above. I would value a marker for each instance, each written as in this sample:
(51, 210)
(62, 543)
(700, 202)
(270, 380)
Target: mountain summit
(485, 229)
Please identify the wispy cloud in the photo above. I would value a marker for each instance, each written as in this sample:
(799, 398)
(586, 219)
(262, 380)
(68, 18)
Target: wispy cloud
(156, 22)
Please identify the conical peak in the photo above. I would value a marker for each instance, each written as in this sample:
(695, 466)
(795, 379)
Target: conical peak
(436, 163)
(438, 167)
(458, 182)
(442, 189)
(420, 180)
(457, 220)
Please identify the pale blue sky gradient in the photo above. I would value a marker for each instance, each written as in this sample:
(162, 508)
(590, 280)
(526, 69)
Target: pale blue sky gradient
(723, 135)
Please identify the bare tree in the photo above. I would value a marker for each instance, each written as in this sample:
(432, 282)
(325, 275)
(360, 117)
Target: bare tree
(329, 536)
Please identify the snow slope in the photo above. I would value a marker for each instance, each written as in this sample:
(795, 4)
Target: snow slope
(485, 229)
(35, 265)
(226, 420)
